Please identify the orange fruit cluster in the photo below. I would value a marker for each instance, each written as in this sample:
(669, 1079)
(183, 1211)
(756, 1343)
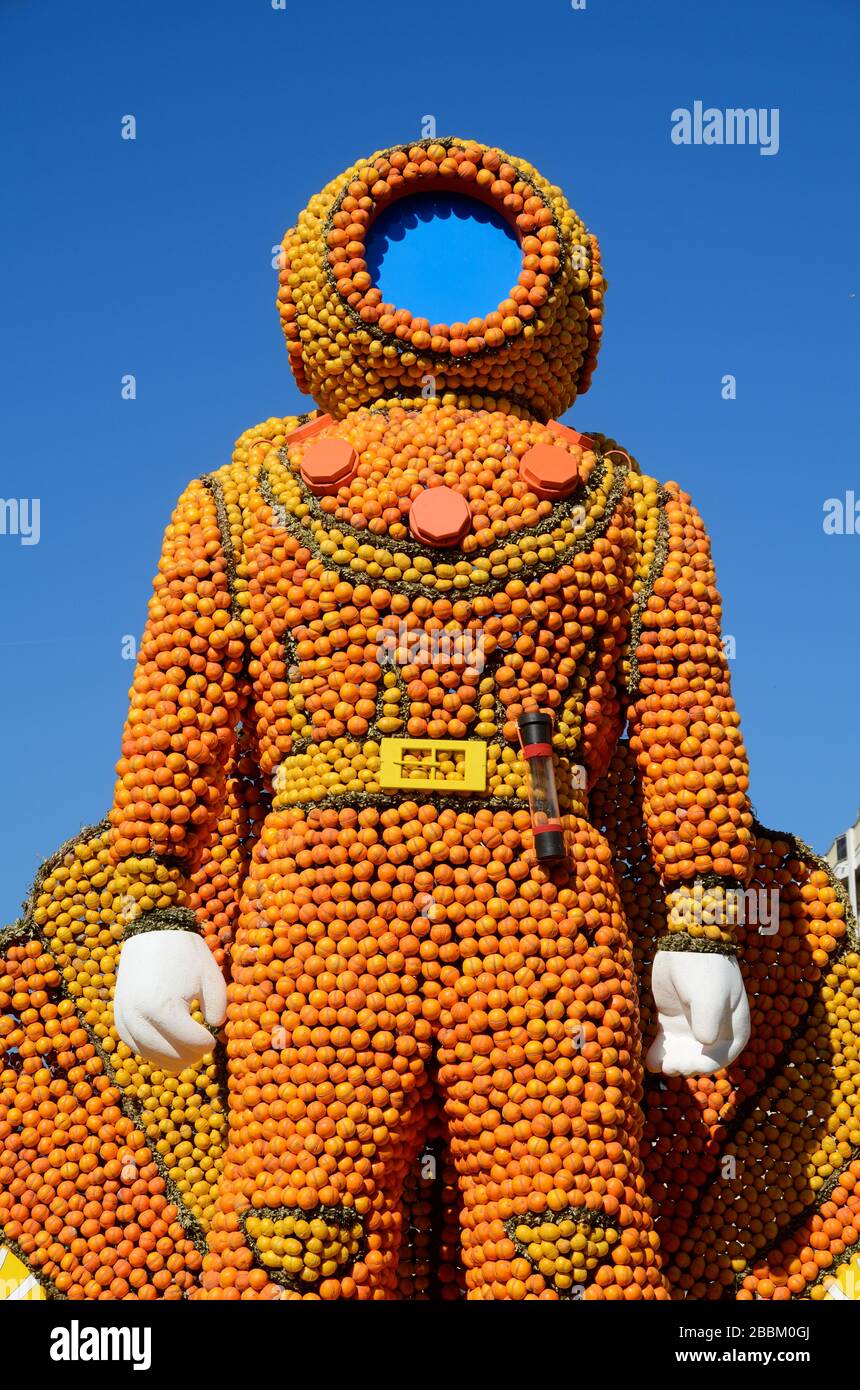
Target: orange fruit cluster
(348, 348)
(744, 1165)
(430, 1081)
(82, 1198)
(347, 616)
(401, 452)
(82, 906)
(184, 700)
(345, 629)
(364, 936)
(779, 1221)
(214, 887)
(317, 598)
(686, 728)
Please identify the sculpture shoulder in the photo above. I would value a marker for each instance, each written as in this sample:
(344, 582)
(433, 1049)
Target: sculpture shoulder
(236, 480)
(645, 492)
(253, 445)
(227, 493)
(646, 500)
(639, 483)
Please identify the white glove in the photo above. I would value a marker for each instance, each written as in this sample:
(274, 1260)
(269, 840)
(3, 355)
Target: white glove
(704, 1017)
(159, 974)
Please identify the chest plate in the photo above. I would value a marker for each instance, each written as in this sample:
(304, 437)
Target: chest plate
(368, 634)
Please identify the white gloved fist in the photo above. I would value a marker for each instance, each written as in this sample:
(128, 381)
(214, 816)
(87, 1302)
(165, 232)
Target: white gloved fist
(703, 1014)
(159, 974)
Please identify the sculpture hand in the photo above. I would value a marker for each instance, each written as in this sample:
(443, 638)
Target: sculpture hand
(704, 1017)
(159, 974)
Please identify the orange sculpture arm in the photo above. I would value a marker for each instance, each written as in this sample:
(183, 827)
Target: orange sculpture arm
(685, 731)
(185, 702)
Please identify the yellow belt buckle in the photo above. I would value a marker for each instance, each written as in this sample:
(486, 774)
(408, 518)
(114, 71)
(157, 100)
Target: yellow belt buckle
(433, 764)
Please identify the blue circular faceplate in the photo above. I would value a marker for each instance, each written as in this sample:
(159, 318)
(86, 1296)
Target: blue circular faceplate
(443, 256)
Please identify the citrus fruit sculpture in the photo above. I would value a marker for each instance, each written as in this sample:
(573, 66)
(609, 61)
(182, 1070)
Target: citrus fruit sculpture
(308, 1016)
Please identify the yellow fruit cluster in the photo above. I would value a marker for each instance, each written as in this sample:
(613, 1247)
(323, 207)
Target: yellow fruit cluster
(703, 913)
(565, 1252)
(84, 905)
(304, 1252)
(343, 767)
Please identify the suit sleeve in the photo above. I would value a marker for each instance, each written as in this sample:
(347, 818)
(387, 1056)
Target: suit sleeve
(185, 702)
(685, 733)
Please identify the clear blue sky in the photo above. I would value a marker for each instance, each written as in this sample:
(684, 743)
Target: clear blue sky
(153, 257)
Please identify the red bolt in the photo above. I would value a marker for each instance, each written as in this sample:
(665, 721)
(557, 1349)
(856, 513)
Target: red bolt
(328, 464)
(440, 517)
(549, 470)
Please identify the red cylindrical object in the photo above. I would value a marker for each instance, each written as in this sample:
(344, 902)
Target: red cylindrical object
(535, 729)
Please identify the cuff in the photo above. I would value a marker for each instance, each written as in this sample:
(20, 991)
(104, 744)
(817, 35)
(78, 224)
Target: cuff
(702, 916)
(163, 919)
(681, 941)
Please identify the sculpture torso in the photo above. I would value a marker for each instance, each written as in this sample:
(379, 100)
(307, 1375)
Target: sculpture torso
(365, 633)
(375, 597)
(399, 967)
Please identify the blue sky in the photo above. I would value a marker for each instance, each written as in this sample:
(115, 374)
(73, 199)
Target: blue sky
(153, 257)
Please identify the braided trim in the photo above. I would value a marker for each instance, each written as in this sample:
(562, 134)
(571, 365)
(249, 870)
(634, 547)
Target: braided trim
(163, 919)
(680, 941)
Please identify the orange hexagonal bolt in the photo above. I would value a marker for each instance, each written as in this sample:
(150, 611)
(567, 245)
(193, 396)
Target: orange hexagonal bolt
(308, 429)
(582, 441)
(328, 464)
(440, 517)
(549, 470)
